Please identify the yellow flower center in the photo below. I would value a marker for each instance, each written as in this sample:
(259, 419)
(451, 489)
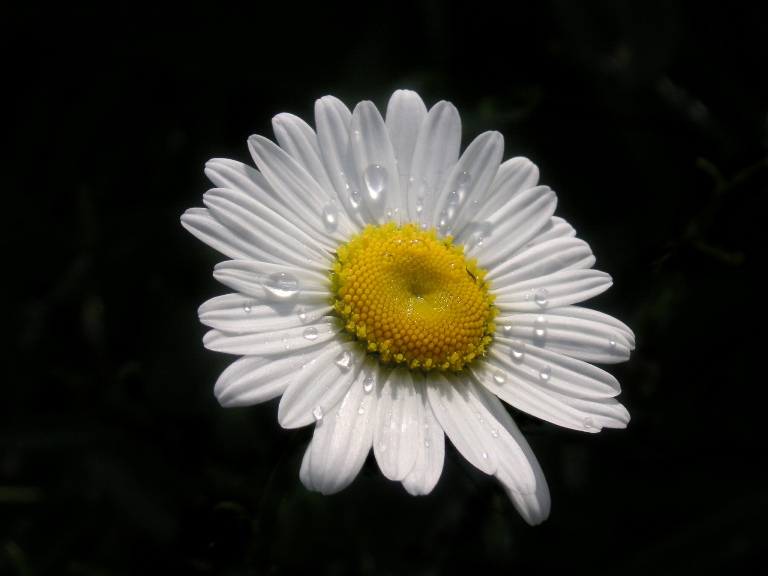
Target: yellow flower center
(412, 298)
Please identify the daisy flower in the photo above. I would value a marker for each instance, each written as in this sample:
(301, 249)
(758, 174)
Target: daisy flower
(394, 291)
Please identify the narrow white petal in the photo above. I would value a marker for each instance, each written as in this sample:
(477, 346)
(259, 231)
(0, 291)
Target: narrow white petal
(405, 115)
(514, 176)
(431, 448)
(306, 198)
(343, 437)
(333, 120)
(533, 504)
(543, 259)
(554, 290)
(251, 380)
(435, 155)
(553, 371)
(272, 238)
(598, 413)
(298, 138)
(320, 384)
(275, 283)
(264, 341)
(583, 334)
(467, 185)
(202, 224)
(465, 421)
(240, 314)
(396, 432)
(513, 225)
(375, 161)
(555, 228)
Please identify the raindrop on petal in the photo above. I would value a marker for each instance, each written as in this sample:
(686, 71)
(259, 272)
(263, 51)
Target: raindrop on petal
(247, 306)
(542, 296)
(540, 327)
(318, 413)
(375, 180)
(330, 217)
(281, 285)
(344, 360)
(545, 372)
(517, 349)
(310, 333)
(368, 384)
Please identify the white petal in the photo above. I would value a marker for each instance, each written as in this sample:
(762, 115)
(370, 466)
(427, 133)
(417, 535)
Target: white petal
(514, 176)
(543, 259)
(597, 413)
(396, 433)
(297, 138)
(201, 223)
(375, 161)
(553, 371)
(405, 115)
(342, 438)
(333, 120)
(468, 183)
(240, 314)
(513, 225)
(251, 380)
(431, 448)
(275, 283)
(272, 238)
(320, 384)
(462, 417)
(532, 504)
(297, 189)
(555, 228)
(267, 342)
(554, 290)
(576, 332)
(435, 155)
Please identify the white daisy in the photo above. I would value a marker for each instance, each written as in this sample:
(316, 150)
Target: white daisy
(393, 291)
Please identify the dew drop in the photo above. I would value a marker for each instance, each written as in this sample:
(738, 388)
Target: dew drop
(285, 340)
(375, 180)
(318, 413)
(247, 306)
(499, 377)
(540, 327)
(588, 422)
(310, 333)
(426, 443)
(507, 328)
(485, 455)
(382, 447)
(344, 360)
(517, 349)
(281, 285)
(354, 198)
(419, 207)
(542, 296)
(330, 217)
(361, 409)
(454, 198)
(545, 372)
(612, 340)
(368, 384)
(495, 433)
(464, 179)
(302, 314)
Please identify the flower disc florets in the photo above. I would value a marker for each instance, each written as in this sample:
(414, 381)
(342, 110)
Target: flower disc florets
(412, 298)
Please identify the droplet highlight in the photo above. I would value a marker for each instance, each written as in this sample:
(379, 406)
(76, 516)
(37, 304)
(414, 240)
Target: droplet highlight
(517, 349)
(545, 372)
(540, 327)
(541, 297)
(247, 306)
(281, 285)
(368, 384)
(375, 177)
(318, 413)
(310, 333)
(344, 360)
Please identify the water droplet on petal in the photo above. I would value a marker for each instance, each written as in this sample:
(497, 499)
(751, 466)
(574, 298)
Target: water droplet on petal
(375, 180)
(426, 443)
(318, 413)
(330, 217)
(517, 349)
(500, 377)
(507, 328)
(588, 422)
(485, 455)
(612, 340)
(542, 296)
(454, 198)
(545, 372)
(361, 409)
(344, 360)
(368, 384)
(382, 447)
(495, 433)
(247, 306)
(281, 285)
(354, 198)
(310, 333)
(464, 179)
(540, 327)
(302, 314)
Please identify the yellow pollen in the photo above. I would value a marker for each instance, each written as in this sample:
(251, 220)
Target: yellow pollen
(412, 298)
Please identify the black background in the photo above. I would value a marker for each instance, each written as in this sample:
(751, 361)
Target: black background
(650, 120)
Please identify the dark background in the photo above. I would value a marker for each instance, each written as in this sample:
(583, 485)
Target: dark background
(649, 118)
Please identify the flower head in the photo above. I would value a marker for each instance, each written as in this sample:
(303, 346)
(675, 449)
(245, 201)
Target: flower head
(393, 290)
